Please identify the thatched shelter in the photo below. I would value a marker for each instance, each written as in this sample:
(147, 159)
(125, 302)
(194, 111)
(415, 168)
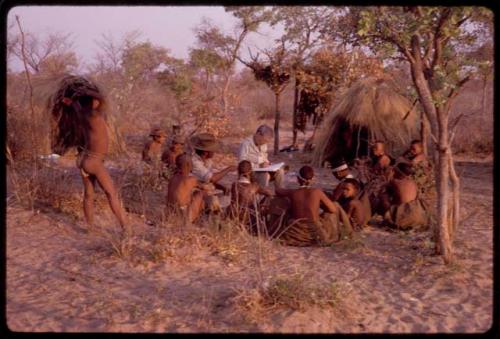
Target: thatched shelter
(371, 109)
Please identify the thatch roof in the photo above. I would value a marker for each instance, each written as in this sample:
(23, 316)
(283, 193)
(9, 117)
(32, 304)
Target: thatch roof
(372, 103)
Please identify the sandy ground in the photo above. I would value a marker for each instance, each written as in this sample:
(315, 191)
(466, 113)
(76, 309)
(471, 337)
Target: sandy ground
(62, 279)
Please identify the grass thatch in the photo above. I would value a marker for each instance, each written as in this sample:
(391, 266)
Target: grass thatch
(373, 104)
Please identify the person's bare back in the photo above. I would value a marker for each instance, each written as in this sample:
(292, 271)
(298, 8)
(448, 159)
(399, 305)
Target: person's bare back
(180, 189)
(305, 202)
(97, 135)
(403, 190)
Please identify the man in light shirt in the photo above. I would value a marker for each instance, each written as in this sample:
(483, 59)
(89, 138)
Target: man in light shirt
(254, 149)
(204, 146)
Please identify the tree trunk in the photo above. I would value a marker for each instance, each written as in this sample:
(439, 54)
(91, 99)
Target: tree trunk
(424, 133)
(442, 175)
(455, 191)
(294, 117)
(438, 121)
(225, 91)
(277, 123)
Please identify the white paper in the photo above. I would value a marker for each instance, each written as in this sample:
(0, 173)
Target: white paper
(270, 168)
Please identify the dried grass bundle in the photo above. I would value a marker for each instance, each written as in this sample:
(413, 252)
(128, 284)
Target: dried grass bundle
(371, 103)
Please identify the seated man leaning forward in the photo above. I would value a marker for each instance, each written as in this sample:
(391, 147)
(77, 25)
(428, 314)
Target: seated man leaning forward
(254, 149)
(152, 150)
(406, 209)
(307, 227)
(204, 146)
(181, 193)
(244, 197)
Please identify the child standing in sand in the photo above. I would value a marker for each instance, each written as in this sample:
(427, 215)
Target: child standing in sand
(77, 111)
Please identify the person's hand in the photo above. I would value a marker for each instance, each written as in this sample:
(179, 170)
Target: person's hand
(265, 164)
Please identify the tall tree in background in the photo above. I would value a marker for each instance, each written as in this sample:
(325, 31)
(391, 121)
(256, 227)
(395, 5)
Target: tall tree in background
(275, 73)
(302, 25)
(434, 41)
(214, 41)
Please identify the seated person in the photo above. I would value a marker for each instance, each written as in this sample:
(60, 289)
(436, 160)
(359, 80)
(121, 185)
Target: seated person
(306, 227)
(341, 172)
(204, 146)
(405, 209)
(244, 196)
(357, 210)
(152, 150)
(380, 160)
(254, 149)
(181, 192)
(176, 148)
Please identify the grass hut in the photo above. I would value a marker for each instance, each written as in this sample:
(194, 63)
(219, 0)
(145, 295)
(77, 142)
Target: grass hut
(370, 110)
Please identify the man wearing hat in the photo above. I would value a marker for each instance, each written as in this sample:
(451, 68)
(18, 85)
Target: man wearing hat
(152, 149)
(254, 149)
(204, 146)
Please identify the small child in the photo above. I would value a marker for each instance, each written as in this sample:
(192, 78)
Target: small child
(355, 209)
(176, 148)
(181, 190)
(152, 149)
(244, 196)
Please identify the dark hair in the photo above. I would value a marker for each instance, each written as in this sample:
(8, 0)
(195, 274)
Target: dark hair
(244, 167)
(70, 125)
(306, 172)
(416, 141)
(353, 182)
(182, 160)
(200, 152)
(404, 168)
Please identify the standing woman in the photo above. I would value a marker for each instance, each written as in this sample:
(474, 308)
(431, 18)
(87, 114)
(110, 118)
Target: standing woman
(78, 121)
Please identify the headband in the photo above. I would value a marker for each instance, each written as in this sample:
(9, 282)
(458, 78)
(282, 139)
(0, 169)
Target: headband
(340, 168)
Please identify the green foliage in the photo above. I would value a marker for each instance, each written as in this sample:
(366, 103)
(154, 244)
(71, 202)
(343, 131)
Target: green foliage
(140, 61)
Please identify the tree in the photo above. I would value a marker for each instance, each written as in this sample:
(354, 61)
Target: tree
(38, 51)
(275, 73)
(141, 61)
(302, 25)
(226, 46)
(434, 41)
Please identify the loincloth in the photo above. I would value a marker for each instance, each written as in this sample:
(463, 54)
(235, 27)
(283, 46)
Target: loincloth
(409, 215)
(330, 228)
(82, 155)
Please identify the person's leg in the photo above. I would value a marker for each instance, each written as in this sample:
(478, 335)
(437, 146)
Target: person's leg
(196, 207)
(96, 167)
(279, 177)
(262, 178)
(88, 198)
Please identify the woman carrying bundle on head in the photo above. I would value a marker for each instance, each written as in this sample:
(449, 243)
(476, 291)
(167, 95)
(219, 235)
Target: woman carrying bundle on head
(77, 110)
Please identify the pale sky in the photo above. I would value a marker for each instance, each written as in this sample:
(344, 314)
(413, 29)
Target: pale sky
(166, 26)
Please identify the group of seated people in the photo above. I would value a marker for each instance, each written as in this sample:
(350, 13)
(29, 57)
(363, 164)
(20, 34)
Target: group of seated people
(303, 216)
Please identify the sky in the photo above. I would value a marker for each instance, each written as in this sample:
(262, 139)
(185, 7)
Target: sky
(167, 26)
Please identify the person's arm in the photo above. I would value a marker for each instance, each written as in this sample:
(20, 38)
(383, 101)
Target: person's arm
(327, 203)
(337, 192)
(283, 192)
(265, 191)
(145, 152)
(219, 175)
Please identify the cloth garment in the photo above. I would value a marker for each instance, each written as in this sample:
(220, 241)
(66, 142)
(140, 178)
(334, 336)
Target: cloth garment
(410, 215)
(202, 169)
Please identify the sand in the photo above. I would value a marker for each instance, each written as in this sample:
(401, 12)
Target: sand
(62, 279)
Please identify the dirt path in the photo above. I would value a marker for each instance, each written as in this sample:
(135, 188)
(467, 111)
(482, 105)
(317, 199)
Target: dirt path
(61, 279)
